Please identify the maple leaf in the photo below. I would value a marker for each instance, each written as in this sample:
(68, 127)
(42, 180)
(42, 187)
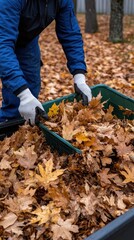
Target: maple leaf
(123, 149)
(20, 203)
(63, 229)
(53, 111)
(128, 174)
(105, 177)
(47, 175)
(95, 101)
(26, 156)
(45, 214)
(87, 115)
(90, 201)
(16, 228)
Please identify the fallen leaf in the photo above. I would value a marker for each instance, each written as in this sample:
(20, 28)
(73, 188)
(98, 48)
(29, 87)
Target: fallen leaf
(90, 202)
(26, 157)
(53, 111)
(47, 175)
(8, 220)
(16, 228)
(45, 214)
(5, 164)
(105, 178)
(128, 174)
(63, 229)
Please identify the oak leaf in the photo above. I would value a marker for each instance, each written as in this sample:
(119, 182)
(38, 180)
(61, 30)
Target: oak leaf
(105, 130)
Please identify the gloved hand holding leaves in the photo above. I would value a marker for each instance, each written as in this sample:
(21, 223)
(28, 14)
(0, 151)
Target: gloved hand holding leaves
(82, 89)
(29, 105)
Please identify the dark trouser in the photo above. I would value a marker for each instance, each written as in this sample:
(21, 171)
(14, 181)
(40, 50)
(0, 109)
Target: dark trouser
(29, 59)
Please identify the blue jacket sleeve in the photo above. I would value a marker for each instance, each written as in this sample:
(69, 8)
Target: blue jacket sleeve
(10, 72)
(70, 37)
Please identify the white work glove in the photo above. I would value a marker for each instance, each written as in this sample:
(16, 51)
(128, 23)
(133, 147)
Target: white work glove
(28, 106)
(82, 89)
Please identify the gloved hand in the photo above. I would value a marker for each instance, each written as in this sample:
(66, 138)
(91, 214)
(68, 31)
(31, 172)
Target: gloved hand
(28, 105)
(82, 88)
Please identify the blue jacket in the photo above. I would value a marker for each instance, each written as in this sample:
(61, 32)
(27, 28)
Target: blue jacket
(15, 30)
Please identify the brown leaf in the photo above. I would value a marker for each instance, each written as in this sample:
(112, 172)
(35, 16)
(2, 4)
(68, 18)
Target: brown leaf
(123, 149)
(104, 177)
(26, 157)
(8, 220)
(5, 164)
(128, 174)
(63, 229)
(90, 202)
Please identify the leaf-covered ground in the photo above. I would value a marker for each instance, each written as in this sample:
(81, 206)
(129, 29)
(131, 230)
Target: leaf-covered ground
(47, 196)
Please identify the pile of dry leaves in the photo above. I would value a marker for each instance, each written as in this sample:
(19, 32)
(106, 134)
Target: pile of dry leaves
(47, 196)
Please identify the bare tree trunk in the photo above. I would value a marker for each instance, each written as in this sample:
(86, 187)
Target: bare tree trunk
(116, 21)
(91, 25)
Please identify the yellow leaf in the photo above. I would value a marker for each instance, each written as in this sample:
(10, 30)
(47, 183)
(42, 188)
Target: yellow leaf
(46, 174)
(53, 111)
(45, 214)
(81, 137)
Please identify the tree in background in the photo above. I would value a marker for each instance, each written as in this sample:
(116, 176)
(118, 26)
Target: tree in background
(91, 25)
(116, 21)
